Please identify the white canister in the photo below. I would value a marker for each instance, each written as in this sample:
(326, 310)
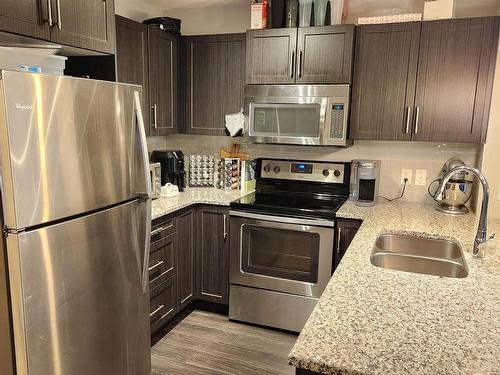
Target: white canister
(336, 11)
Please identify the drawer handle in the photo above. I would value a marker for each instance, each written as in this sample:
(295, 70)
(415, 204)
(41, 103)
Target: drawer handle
(158, 230)
(158, 309)
(156, 265)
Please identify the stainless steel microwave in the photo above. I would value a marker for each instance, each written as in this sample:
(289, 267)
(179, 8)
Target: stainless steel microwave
(315, 115)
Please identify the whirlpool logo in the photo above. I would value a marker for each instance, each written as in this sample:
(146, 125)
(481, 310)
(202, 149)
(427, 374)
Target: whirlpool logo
(24, 107)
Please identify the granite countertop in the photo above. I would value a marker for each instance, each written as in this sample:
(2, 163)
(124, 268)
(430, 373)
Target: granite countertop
(164, 206)
(371, 320)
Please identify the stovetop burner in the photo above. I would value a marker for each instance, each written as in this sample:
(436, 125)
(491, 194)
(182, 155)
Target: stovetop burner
(290, 204)
(292, 188)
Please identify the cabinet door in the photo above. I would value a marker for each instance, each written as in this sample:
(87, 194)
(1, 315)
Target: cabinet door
(384, 81)
(325, 54)
(455, 73)
(185, 257)
(163, 303)
(162, 51)
(212, 268)
(88, 24)
(271, 56)
(25, 17)
(214, 85)
(346, 230)
(132, 59)
(163, 260)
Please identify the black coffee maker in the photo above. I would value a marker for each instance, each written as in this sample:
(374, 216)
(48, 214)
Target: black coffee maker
(172, 167)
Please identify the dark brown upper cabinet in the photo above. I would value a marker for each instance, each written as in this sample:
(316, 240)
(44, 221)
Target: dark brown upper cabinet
(313, 55)
(163, 78)
(132, 58)
(270, 56)
(454, 81)
(428, 81)
(215, 70)
(87, 24)
(325, 54)
(384, 81)
(25, 17)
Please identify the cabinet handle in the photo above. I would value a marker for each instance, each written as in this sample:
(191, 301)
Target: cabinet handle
(159, 308)
(417, 118)
(156, 265)
(158, 230)
(339, 234)
(408, 118)
(225, 229)
(300, 64)
(154, 107)
(292, 64)
(59, 21)
(50, 21)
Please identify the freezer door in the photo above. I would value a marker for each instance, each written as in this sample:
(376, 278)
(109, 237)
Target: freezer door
(67, 146)
(77, 297)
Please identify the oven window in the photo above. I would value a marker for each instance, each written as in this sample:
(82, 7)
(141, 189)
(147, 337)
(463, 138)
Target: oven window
(281, 253)
(286, 120)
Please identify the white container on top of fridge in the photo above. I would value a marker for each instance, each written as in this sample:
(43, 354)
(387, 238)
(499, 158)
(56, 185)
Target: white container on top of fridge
(32, 60)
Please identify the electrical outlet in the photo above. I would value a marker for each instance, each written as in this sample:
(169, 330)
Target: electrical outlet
(406, 173)
(420, 177)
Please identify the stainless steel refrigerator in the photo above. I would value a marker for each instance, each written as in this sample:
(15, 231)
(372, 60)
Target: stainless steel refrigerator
(76, 219)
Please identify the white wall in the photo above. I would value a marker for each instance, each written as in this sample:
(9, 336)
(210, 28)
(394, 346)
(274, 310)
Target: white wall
(213, 20)
(394, 156)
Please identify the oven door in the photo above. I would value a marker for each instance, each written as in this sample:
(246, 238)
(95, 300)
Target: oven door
(282, 254)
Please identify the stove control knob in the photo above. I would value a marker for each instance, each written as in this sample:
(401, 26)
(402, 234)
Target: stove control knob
(336, 173)
(276, 169)
(267, 168)
(326, 172)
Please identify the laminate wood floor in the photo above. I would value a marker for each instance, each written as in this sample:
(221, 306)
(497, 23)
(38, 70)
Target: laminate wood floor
(206, 343)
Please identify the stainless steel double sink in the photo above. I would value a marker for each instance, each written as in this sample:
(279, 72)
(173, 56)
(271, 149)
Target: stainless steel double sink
(416, 254)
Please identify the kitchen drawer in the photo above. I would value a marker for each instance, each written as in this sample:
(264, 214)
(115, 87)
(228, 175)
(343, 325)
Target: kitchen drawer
(162, 260)
(162, 229)
(163, 303)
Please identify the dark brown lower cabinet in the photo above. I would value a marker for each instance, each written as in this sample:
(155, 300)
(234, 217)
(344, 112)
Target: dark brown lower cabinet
(185, 257)
(212, 254)
(189, 259)
(163, 303)
(346, 230)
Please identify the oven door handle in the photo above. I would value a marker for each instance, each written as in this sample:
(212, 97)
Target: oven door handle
(281, 219)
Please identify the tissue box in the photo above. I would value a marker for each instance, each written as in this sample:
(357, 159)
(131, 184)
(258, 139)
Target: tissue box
(439, 9)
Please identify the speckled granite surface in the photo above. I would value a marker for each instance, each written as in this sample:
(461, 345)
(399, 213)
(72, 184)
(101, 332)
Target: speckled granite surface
(371, 320)
(164, 206)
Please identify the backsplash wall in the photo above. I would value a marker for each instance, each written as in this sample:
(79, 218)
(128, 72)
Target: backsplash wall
(394, 156)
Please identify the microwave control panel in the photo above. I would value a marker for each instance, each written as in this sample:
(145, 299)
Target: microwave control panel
(337, 121)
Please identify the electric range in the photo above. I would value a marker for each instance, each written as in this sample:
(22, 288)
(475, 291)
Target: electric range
(282, 241)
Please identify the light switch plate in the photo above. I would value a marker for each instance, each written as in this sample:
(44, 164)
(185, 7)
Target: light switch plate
(420, 177)
(406, 173)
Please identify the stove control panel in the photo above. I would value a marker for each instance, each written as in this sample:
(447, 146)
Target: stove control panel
(303, 171)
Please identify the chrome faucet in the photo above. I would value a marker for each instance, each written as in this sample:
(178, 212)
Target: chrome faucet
(481, 235)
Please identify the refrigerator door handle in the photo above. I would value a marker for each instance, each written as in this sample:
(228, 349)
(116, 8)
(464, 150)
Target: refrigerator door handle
(143, 143)
(147, 195)
(147, 245)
